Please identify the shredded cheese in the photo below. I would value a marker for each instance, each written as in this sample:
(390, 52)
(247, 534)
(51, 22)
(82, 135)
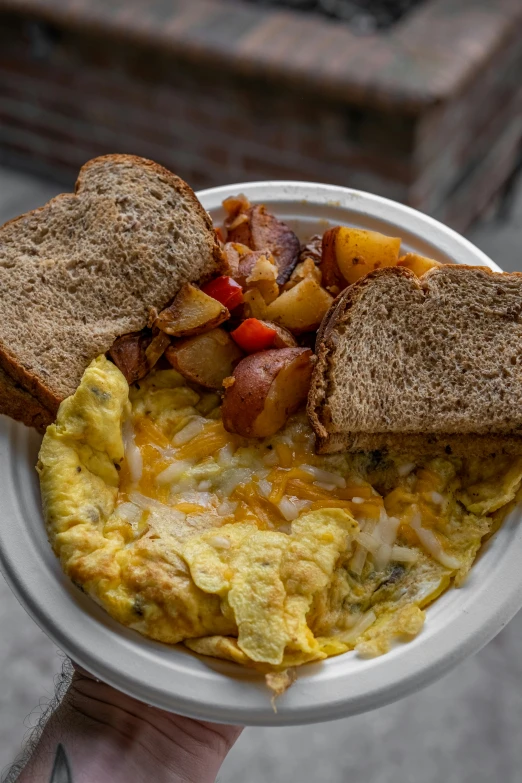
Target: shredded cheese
(189, 431)
(211, 439)
(367, 620)
(324, 475)
(173, 472)
(132, 452)
(432, 545)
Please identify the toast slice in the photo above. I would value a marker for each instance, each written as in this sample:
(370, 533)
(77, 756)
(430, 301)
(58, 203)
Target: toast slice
(409, 364)
(18, 404)
(89, 266)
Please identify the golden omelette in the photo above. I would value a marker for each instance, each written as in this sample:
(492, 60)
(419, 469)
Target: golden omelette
(257, 551)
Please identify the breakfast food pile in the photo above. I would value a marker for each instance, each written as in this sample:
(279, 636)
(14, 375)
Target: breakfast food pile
(273, 451)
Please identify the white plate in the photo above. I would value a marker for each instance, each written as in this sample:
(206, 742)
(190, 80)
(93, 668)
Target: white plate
(458, 624)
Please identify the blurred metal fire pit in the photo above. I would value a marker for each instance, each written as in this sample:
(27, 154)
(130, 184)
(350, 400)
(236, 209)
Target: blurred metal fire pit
(426, 109)
(363, 16)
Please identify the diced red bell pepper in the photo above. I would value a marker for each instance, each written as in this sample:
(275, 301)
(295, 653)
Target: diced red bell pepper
(225, 290)
(253, 335)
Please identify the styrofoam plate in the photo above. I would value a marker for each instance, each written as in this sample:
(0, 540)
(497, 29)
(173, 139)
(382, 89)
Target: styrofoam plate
(458, 624)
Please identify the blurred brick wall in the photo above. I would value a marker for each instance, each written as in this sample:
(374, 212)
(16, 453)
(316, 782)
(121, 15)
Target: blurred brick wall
(430, 115)
(77, 96)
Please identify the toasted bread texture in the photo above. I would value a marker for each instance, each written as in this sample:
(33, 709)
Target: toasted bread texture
(17, 403)
(88, 267)
(409, 364)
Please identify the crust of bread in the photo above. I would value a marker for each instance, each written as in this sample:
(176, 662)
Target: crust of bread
(18, 404)
(10, 365)
(421, 443)
(329, 442)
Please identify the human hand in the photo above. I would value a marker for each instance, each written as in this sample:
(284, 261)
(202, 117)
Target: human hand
(110, 737)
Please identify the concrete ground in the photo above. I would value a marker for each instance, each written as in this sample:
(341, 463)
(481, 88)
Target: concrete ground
(464, 729)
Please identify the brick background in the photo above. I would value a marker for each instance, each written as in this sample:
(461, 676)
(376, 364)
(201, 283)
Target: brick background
(80, 98)
(429, 115)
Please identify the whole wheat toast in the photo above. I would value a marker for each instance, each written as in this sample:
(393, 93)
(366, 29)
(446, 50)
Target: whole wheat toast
(88, 267)
(410, 364)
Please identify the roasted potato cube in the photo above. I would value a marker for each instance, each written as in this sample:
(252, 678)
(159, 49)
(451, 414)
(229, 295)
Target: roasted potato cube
(301, 309)
(156, 348)
(268, 387)
(255, 305)
(359, 252)
(332, 278)
(205, 359)
(283, 338)
(263, 231)
(234, 206)
(419, 265)
(263, 276)
(312, 249)
(305, 269)
(128, 353)
(191, 312)
(233, 252)
(248, 262)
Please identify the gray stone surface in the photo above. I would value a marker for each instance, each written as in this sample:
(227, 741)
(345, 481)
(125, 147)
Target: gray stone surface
(463, 729)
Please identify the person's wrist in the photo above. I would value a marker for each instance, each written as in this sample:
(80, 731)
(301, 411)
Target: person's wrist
(109, 736)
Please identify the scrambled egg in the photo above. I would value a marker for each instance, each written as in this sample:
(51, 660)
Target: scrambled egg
(259, 552)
